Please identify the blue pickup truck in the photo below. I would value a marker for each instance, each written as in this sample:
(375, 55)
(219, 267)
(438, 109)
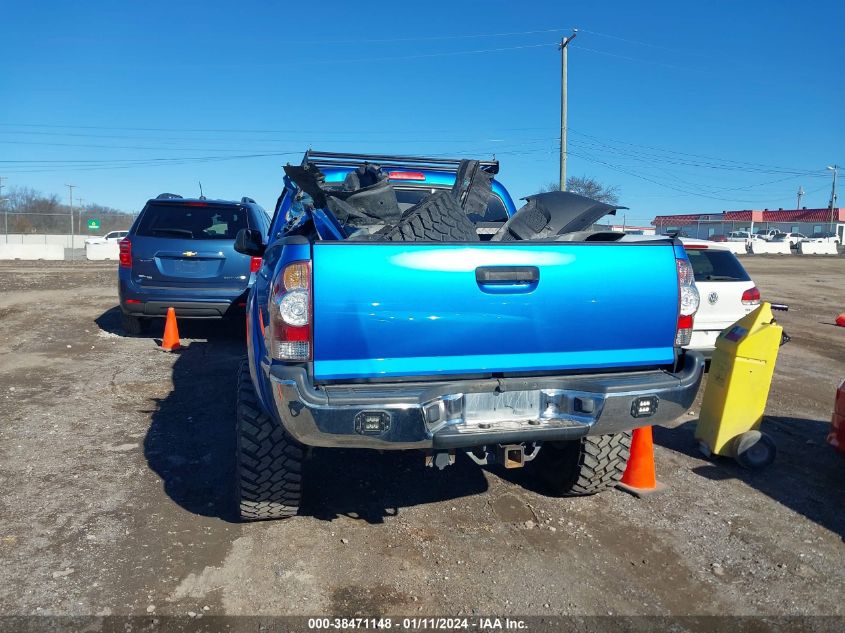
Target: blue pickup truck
(542, 353)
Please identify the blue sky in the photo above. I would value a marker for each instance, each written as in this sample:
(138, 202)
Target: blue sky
(686, 107)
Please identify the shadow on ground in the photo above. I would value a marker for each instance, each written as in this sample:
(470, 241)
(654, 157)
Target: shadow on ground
(371, 485)
(806, 477)
(190, 443)
(191, 439)
(212, 330)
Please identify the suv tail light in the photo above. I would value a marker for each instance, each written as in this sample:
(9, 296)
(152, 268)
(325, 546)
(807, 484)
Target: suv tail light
(751, 297)
(688, 301)
(125, 256)
(289, 331)
(254, 264)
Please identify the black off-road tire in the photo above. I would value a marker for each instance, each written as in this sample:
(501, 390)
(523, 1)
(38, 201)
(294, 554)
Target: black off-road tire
(134, 326)
(268, 460)
(583, 467)
(438, 218)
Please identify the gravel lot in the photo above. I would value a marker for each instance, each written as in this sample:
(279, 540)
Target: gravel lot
(116, 470)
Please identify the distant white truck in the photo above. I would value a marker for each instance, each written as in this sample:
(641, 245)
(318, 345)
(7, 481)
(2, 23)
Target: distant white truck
(767, 234)
(745, 236)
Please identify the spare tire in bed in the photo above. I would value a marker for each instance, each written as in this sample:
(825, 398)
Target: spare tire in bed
(437, 218)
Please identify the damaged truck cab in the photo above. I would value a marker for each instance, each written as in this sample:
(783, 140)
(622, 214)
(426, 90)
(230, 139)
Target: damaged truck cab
(403, 303)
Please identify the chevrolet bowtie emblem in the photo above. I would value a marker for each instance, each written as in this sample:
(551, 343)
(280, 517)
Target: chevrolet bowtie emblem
(189, 253)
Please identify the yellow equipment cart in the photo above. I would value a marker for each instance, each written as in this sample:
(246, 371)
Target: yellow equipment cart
(737, 389)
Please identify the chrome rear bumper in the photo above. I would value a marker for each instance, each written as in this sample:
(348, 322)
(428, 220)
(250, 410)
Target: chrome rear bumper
(467, 413)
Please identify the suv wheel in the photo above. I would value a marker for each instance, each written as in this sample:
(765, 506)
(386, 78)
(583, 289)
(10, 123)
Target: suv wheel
(269, 461)
(583, 467)
(134, 326)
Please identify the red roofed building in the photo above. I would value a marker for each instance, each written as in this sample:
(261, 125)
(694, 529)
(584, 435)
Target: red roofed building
(705, 225)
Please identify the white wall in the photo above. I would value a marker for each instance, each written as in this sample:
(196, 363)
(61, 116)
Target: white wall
(775, 248)
(65, 240)
(32, 251)
(96, 252)
(817, 248)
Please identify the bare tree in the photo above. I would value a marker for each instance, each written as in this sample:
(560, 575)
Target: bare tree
(33, 212)
(588, 187)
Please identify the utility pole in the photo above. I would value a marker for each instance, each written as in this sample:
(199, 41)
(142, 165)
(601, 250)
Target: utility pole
(563, 103)
(834, 169)
(800, 195)
(79, 216)
(5, 211)
(70, 189)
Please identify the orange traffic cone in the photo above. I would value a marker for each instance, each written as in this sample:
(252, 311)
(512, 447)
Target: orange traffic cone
(170, 342)
(639, 478)
(840, 320)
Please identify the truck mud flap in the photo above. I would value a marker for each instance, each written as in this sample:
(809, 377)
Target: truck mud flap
(547, 215)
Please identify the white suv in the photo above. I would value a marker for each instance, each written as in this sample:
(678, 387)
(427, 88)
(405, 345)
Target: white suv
(114, 236)
(727, 292)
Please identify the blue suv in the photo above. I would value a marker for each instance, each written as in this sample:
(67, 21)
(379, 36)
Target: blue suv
(180, 253)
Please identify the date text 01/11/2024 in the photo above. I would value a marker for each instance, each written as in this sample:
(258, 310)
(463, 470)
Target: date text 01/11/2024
(417, 623)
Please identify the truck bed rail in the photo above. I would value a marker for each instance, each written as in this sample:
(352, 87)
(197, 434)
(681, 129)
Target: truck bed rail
(340, 159)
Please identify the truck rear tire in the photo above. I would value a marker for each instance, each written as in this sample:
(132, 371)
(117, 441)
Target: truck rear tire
(269, 461)
(134, 326)
(583, 467)
(438, 218)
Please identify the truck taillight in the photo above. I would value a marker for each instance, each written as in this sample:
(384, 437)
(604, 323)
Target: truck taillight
(688, 301)
(288, 335)
(254, 264)
(125, 253)
(751, 297)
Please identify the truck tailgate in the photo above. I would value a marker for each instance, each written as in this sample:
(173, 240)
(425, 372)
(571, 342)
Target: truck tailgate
(410, 309)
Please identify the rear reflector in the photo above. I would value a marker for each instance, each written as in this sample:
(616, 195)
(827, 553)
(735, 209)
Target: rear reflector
(406, 175)
(254, 264)
(683, 333)
(751, 297)
(132, 301)
(683, 337)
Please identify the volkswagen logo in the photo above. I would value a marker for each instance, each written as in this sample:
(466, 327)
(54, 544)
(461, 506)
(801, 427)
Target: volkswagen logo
(712, 298)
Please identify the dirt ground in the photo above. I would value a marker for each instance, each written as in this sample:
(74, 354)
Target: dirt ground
(116, 465)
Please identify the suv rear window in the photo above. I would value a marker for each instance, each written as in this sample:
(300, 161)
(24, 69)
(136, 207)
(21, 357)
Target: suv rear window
(710, 264)
(184, 221)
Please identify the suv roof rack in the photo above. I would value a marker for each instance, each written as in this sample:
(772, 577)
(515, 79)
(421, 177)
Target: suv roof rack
(246, 200)
(168, 196)
(339, 159)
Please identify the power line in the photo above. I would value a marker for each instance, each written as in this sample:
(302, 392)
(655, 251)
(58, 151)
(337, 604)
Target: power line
(657, 182)
(641, 43)
(739, 164)
(430, 38)
(237, 130)
(722, 163)
(425, 55)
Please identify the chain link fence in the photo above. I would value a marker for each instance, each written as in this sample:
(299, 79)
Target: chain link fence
(62, 229)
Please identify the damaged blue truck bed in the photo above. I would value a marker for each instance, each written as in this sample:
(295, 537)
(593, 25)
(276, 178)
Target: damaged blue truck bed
(542, 353)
